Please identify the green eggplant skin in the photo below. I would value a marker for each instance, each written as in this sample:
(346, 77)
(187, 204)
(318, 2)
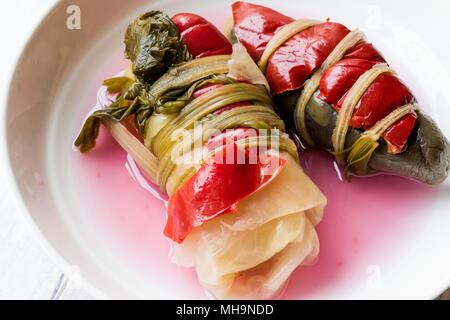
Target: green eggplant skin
(426, 158)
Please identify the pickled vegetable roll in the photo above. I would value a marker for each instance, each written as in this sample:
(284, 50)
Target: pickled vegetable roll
(341, 94)
(195, 114)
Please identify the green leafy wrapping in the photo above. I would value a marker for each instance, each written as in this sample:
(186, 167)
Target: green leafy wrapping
(118, 84)
(174, 99)
(356, 157)
(132, 100)
(153, 44)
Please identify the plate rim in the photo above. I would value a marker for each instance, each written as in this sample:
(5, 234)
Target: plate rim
(12, 183)
(5, 160)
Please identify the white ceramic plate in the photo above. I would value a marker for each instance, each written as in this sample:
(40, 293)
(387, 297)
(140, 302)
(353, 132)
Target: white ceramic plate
(120, 255)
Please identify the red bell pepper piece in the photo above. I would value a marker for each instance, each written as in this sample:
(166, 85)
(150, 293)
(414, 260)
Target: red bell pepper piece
(292, 63)
(216, 189)
(383, 96)
(201, 37)
(364, 50)
(397, 135)
(340, 78)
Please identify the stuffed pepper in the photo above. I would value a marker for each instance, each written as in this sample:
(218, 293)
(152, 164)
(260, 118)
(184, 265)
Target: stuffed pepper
(341, 94)
(196, 116)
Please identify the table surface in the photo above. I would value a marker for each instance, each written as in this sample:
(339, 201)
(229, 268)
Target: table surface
(26, 272)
